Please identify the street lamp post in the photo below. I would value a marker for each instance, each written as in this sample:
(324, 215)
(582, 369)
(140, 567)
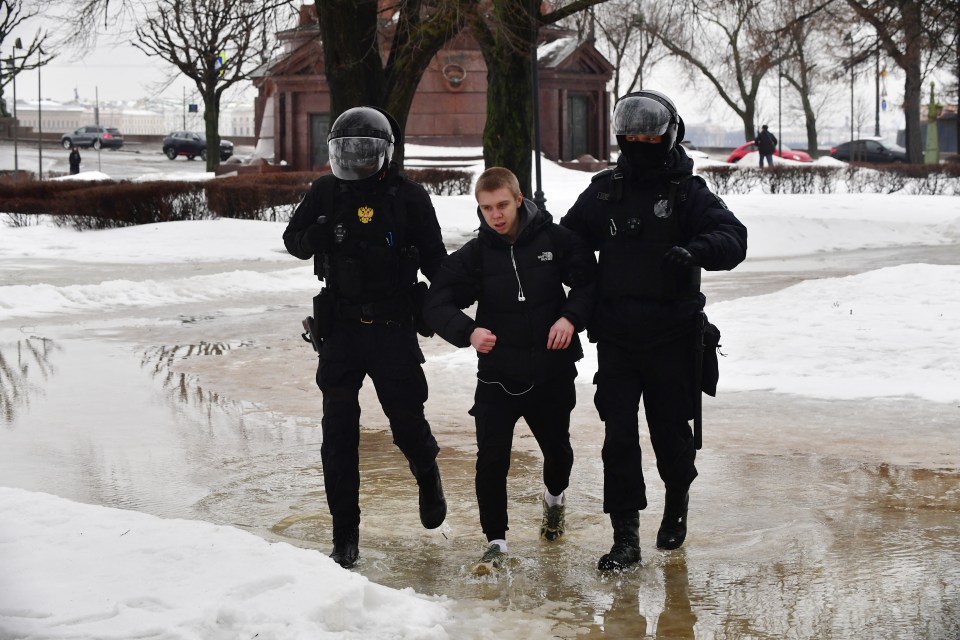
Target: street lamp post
(39, 113)
(779, 104)
(876, 121)
(850, 38)
(16, 123)
(538, 198)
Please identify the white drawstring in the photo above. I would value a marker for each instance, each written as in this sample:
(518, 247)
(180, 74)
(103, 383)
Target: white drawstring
(505, 390)
(520, 296)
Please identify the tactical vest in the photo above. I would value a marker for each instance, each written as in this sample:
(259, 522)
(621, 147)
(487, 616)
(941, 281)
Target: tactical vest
(366, 264)
(638, 230)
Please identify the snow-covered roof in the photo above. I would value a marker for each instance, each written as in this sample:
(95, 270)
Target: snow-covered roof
(551, 54)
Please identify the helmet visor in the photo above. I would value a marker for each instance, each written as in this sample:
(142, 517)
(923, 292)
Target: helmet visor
(640, 116)
(357, 158)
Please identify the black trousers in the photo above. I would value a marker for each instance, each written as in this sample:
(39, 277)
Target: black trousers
(546, 409)
(663, 377)
(391, 356)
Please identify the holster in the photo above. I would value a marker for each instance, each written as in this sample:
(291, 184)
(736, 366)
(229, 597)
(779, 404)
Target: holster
(710, 374)
(324, 313)
(317, 328)
(706, 372)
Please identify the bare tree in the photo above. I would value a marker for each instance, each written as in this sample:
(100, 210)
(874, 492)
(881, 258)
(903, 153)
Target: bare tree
(215, 43)
(807, 34)
(25, 57)
(361, 69)
(619, 26)
(905, 30)
(727, 43)
(506, 31)
(356, 70)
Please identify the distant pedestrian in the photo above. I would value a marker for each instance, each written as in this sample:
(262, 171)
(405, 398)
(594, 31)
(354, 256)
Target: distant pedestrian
(74, 160)
(766, 143)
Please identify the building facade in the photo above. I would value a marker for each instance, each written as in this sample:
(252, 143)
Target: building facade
(449, 109)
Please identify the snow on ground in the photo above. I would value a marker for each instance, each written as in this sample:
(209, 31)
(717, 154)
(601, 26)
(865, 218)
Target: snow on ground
(72, 570)
(82, 571)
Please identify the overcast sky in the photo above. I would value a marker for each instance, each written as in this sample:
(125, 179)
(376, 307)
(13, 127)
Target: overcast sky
(116, 70)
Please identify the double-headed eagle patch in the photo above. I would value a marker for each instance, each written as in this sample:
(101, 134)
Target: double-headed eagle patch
(365, 214)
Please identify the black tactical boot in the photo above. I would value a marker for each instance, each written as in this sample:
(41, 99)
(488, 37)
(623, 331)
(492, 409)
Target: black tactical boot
(673, 527)
(346, 542)
(626, 542)
(433, 506)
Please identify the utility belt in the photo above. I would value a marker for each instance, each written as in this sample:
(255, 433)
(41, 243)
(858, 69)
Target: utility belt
(327, 310)
(392, 310)
(395, 310)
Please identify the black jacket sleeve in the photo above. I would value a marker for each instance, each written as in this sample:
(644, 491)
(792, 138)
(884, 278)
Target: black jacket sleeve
(295, 236)
(578, 220)
(424, 229)
(718, 239)
(579, 273)
(453, 288)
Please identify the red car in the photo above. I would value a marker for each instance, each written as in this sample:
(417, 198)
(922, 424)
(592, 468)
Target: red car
(788, 153)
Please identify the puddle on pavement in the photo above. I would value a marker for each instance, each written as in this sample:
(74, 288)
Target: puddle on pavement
(780, 545)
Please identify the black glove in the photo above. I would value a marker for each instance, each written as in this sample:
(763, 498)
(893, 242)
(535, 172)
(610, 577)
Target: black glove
(679, 257)
(315, 236)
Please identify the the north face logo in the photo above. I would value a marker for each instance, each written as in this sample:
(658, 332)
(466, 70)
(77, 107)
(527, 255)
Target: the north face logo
(546, 256)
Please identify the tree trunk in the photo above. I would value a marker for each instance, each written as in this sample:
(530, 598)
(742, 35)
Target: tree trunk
(351, 55)
(912, 90)
(802, 87)
(508, 132)
(810, 120)
(908, 31)
(749, 119)
(211, 122)
(912, 95)
(403, 88)
(354, 69)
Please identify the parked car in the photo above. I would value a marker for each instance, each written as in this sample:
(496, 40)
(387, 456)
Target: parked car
(692, 151)
(192, 144)
(788, 153)
(93, 136)
(873, 150)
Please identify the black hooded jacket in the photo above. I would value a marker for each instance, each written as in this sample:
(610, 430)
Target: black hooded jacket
(520, 295)
(643, 299)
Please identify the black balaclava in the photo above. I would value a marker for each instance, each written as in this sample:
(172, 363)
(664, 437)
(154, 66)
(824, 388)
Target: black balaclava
(644, 155)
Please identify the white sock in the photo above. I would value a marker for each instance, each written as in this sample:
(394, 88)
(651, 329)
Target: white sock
(500, 543)
(552, 500)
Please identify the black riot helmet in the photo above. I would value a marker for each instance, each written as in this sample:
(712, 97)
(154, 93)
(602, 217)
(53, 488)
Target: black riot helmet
(647, 113)
(360, 143)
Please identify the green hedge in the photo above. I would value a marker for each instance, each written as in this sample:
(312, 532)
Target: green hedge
(106, 204)
(274, 196)
(943, 179)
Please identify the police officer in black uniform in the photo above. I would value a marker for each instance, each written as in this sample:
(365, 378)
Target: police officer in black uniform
(655, 226)
(369, 230)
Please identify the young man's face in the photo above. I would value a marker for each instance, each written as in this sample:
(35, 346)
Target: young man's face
(500, 209)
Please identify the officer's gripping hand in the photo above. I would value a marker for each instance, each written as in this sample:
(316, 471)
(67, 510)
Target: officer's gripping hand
(679, 257)
(315, 237)
(483, 340)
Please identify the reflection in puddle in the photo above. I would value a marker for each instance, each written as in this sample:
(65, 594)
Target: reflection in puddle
(18, 363)
(159, 361)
